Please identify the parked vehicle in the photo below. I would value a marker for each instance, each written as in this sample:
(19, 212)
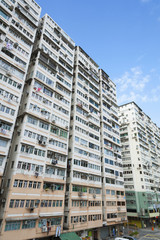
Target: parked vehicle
(129, 237)
(121, 238)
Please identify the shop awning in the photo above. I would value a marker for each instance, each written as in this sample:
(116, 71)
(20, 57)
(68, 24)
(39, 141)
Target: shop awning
(69, 236)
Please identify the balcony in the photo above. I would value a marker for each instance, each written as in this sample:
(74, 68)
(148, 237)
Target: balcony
(5, 133)
(27, 14)
(30, 173)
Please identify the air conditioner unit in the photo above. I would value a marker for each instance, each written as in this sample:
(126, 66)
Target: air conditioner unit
(47, 117)
(53, 121)
(66, 127)
(36, 174)
(44, 229)
(15, 44)
(54, 161)
(40, 141)
(8, 73)
(94, 195)
(61, 97)
(44, 143)
(118, 208)
(27, 7)
(31, 208)
(17, 24)
(11, 7)
(2, 191)
(18, 8)
(80, 194)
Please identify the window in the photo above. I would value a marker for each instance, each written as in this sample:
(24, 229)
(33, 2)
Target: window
(32, 120)
(3, 143)
(34, 184)
(25, 184)
(30, 184)
(22, 204)
(76, 188)
(1, 160)
(14, 225)
(28, 224)
(112, 192)
(4, 15)
(20, 183)
(16, 204)
(11, 203)
(15, 183)
(43, 125)
(27, 203)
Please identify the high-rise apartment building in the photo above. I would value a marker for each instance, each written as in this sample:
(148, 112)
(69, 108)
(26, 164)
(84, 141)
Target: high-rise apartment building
(18, 25)
(140, 139)
(84, 191)
(60, 160)
(113, 194)
(94, 193)
(36, 173)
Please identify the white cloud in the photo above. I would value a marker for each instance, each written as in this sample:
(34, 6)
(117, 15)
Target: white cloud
(133, 79)
(133, 85)
(133, 96)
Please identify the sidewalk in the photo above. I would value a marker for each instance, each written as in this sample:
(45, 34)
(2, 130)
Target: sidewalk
(142, 232)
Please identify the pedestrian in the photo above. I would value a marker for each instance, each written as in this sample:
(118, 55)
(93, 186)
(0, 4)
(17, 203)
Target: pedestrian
(154, 223)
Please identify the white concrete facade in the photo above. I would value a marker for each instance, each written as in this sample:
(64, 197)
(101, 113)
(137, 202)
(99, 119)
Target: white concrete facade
(18, 25)
(114, 205)
(36, 180)
(140, 139)
(59, 109)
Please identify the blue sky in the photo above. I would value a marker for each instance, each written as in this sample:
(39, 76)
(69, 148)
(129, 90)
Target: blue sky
(123, 37)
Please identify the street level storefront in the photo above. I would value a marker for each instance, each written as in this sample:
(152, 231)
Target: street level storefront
(69, 236)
